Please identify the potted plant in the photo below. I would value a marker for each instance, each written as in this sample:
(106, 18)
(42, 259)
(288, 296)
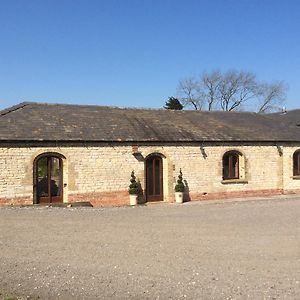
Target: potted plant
(179, 189)
(133, 190)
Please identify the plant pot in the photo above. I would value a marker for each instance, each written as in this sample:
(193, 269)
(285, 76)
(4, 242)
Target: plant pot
(133, 199)
(179, 197)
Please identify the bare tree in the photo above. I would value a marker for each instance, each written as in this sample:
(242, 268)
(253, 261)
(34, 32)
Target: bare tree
(236, 88)
(211, 84)
(271, 96)
(232, 90)
(190, 93)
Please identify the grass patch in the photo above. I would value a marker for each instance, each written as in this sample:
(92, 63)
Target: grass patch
(10, 298)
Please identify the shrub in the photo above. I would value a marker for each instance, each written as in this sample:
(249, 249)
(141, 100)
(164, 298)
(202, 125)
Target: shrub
(134, 186)
(179, 187)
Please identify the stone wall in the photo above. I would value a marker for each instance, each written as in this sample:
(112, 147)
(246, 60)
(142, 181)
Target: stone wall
(101, 173)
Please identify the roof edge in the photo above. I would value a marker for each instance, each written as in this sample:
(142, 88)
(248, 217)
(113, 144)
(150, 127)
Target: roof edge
(200, 142)
(14, 108)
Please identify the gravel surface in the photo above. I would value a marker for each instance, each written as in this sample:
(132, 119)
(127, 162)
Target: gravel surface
(200, 250)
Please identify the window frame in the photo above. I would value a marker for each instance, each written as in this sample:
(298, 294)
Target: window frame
(36, 160)
(296, 163)
(231, 159)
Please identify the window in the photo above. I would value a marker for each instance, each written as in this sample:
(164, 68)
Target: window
(48, 177)
(231, 165)
(296, 163)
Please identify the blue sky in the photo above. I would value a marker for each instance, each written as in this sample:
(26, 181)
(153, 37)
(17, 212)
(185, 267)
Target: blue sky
(134, 52)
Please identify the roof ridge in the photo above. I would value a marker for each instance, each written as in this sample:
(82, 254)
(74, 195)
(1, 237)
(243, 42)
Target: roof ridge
(98, 106)
(214, 112)
(22, 104)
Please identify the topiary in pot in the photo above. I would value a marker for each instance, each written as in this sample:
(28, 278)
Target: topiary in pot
(133, 189)
(179, 189)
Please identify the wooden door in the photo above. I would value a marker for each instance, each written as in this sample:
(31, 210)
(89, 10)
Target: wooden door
(49, 180)
(154, 179)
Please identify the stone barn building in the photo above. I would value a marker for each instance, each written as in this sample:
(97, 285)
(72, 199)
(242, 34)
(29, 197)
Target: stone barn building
(54, 153)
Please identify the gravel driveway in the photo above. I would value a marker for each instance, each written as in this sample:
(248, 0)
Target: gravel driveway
(200, 250)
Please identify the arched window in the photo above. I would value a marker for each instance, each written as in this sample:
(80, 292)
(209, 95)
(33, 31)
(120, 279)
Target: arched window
(296, 163)
(48, 177)
(231, 168)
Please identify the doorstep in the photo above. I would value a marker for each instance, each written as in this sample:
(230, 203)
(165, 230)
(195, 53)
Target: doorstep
(64, 205)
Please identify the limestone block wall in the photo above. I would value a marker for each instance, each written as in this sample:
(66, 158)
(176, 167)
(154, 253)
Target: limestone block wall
(96, 174)
(15, 176)
(202, 170)
(291, 184)
(101, 173)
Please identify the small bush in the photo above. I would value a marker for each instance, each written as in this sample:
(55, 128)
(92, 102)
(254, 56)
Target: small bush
(134, 186)
(179, 187)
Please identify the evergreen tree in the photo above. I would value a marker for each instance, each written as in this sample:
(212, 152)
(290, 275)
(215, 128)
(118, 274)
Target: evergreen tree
(173, 103)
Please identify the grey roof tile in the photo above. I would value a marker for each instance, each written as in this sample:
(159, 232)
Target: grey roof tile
(30, 121)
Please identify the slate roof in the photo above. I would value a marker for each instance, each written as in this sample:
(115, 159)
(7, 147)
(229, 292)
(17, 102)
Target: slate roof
(31, 121)
(291, 117)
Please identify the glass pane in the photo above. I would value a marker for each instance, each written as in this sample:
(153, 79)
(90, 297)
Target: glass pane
(226, 167)
(235, 168)
(42, 177)
(296, 163)
(150, 177)
(55, 177)
(157, 177)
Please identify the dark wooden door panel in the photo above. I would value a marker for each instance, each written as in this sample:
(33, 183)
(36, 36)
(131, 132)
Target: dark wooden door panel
(44, 200)
(154, 179)
(56, 199)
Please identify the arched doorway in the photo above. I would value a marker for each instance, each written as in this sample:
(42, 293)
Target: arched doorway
(154, 178)
(48, 179)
